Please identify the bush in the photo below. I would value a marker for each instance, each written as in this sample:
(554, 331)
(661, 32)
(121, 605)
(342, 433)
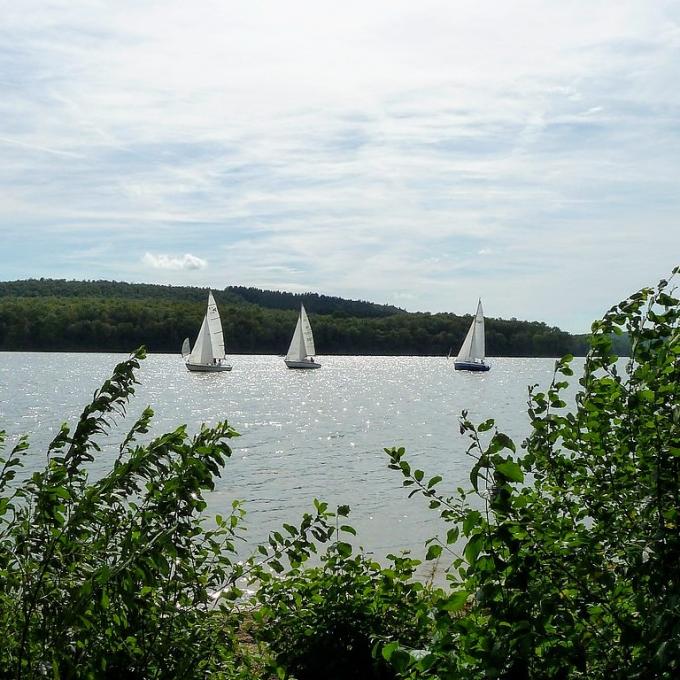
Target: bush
(569, 564)
(571, 554)
(120, 577)
(323, 622)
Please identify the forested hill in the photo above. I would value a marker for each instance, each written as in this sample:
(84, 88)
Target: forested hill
(318, 304)
(314, 303)
(49, 314)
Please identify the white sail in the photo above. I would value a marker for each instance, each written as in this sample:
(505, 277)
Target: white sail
(296, 351)
(207, 355)
(473, 348)
(203, 349)
(215, 326)
(307, 334)
(302, 344)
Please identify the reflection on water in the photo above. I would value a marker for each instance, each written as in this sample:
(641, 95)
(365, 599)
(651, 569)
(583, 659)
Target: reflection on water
(304, 434)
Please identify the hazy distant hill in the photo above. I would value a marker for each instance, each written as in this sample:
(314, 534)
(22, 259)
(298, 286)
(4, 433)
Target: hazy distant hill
(47, 314)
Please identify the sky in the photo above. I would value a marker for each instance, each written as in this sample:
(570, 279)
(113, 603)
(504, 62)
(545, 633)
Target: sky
(421, 154)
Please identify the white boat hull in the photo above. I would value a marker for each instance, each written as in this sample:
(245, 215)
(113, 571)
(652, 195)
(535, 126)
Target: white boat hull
(208, 368)
(301, 364)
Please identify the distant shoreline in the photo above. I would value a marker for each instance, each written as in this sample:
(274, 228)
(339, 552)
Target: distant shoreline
(95, 316)
(267, 354)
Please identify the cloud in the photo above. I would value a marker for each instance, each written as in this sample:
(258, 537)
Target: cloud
(179, 263)
(450, 150)
(34, 147)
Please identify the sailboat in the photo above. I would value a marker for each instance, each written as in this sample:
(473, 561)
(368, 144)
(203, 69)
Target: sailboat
(208, 353)
(301, 351)
(471, 354)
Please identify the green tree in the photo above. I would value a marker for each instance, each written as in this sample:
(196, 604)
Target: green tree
(112, 316)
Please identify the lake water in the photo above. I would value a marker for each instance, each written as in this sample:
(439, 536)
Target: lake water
(304, 434)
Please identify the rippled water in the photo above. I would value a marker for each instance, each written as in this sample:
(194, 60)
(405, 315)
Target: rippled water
(305, 434)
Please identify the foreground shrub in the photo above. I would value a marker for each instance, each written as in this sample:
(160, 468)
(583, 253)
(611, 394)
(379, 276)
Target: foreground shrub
(571, 549)
(120, 578)
(568, 566)
(323, 622)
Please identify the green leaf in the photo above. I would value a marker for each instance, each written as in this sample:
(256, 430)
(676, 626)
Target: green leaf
(433, 481)
(455, 602)
(345, 549)
(472, 519)
(483, 462)
(388, 650)
(511, 471)
(433, 552)
(399, 660)
(60, 491)
(502, 441)
(452, 535)
(473, 548)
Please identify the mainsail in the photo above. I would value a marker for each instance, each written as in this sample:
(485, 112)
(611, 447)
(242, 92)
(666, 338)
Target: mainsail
(302, 344)
(473, 348)
(307, 334)
(215, 326)
(207, 355)
(209, 344)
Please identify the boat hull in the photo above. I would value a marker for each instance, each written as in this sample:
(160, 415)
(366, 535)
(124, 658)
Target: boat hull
(301, 364)
(208, 368)
(470, 366)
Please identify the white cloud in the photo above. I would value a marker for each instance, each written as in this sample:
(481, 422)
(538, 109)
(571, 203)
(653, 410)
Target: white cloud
(177, 262)
(340, 147)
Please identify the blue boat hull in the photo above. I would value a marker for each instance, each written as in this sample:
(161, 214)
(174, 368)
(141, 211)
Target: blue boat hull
(470, 366)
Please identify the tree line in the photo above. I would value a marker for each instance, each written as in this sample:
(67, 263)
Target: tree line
(111, 316)
(319, 304)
